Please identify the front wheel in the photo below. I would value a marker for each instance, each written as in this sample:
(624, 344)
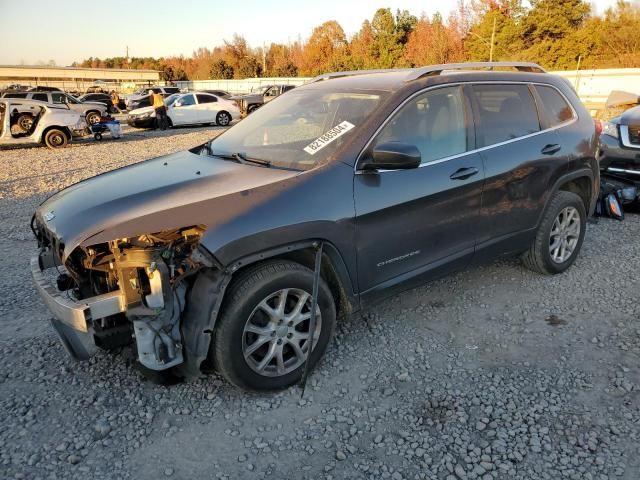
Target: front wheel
(55, 138)
(223, 119)
(263, 335)
(559, 236)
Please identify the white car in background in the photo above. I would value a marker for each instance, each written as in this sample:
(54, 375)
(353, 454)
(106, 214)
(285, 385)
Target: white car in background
(193, 108)
(53, 126)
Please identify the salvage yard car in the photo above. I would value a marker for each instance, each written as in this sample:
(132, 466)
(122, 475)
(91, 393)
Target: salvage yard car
(619, 150)
(250, 102)
(141, 98)
(51, 126)
(360, 183)
(92, 111)
(194, 108)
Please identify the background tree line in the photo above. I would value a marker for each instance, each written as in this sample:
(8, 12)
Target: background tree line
(553, 33)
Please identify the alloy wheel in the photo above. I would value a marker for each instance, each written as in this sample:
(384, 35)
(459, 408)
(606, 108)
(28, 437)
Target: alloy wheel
(275, 340)
(565, 233)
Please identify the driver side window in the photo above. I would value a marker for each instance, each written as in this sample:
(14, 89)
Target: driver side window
(434, 122)
(58, 98)
(186, 101)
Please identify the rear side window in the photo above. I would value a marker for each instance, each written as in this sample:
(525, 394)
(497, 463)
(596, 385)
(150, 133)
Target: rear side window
(206, 98)
(505, 112)
(15, 95)
(556, 109)
(40, 96)
(435, 122)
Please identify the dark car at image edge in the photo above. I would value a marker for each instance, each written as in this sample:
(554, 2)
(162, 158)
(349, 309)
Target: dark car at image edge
(619, 149)
(207, 257)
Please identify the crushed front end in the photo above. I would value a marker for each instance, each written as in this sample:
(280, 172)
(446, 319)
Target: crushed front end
(107, 294)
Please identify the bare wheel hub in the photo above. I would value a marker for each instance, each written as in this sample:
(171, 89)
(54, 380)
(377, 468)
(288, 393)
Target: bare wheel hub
(275, 340)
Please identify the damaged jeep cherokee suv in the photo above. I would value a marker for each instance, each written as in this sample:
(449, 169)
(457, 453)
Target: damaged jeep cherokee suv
(209, 258)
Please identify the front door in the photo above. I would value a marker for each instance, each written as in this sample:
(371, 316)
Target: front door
(420, 223)
(184, 111)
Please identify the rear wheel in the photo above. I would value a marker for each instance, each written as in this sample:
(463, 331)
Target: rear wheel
(56, 138)
(559, 236)
(263, 334)
(223, 119)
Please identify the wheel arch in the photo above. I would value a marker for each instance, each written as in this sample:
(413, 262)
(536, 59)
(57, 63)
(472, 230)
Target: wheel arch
(333, 269)
(46, 130)
(581, 182)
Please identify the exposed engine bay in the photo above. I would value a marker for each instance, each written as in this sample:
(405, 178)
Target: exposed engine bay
(134, 287)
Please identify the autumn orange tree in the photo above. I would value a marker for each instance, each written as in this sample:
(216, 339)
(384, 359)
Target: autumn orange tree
(556, 34)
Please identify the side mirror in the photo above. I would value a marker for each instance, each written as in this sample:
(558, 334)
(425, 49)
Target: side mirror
(393, 156)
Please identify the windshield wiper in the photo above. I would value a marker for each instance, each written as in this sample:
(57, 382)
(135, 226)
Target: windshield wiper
(239, 157)
(258, 161)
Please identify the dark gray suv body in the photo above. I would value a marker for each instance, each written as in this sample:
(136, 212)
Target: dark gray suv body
(207, 256)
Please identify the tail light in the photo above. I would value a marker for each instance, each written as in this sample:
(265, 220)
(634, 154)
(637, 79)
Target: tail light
(598, 125)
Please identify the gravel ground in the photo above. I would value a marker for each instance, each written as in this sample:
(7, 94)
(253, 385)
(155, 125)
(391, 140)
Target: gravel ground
(494, 373)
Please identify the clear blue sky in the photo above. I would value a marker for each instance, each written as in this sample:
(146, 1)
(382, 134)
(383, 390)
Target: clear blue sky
(41, 30)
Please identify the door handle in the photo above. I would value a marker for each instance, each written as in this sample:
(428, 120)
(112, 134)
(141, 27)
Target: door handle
(464, 173)
(550, 149)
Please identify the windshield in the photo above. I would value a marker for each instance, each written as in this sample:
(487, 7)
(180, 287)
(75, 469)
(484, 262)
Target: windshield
(300, 129)
(171, 99)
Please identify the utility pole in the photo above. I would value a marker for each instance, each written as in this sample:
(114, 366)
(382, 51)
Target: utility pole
(493, 39)
(128, 62)
(577, 82)
(264, 59)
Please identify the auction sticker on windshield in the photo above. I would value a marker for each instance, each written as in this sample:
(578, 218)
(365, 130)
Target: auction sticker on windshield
(328, 137)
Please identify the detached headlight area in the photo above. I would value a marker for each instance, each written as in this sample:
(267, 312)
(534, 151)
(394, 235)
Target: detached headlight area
(108, 292)
(611, 129)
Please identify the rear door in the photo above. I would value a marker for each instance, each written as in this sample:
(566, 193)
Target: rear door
(521, 157)
(207, 107)
(420, 223)
(271, 93)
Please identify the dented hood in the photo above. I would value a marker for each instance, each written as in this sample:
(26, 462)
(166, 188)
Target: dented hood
(173, 191)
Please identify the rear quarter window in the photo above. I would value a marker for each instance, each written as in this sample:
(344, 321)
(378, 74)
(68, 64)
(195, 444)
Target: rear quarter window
(555, 109)
(505, 112)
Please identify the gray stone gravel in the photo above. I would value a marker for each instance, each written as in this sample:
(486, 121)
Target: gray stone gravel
(494, 373)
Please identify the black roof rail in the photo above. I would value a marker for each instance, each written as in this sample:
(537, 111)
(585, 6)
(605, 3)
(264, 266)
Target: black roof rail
(438, 69)
(329, 76)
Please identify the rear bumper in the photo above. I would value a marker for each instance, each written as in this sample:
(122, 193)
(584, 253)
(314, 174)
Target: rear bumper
(73, 320)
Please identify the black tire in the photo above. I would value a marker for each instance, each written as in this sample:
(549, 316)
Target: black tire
(241, 300)
(252, 108)
(56, 138)
(92, 117)
(223, 119)
(97, 136)
(25, 122)
(538, 257)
